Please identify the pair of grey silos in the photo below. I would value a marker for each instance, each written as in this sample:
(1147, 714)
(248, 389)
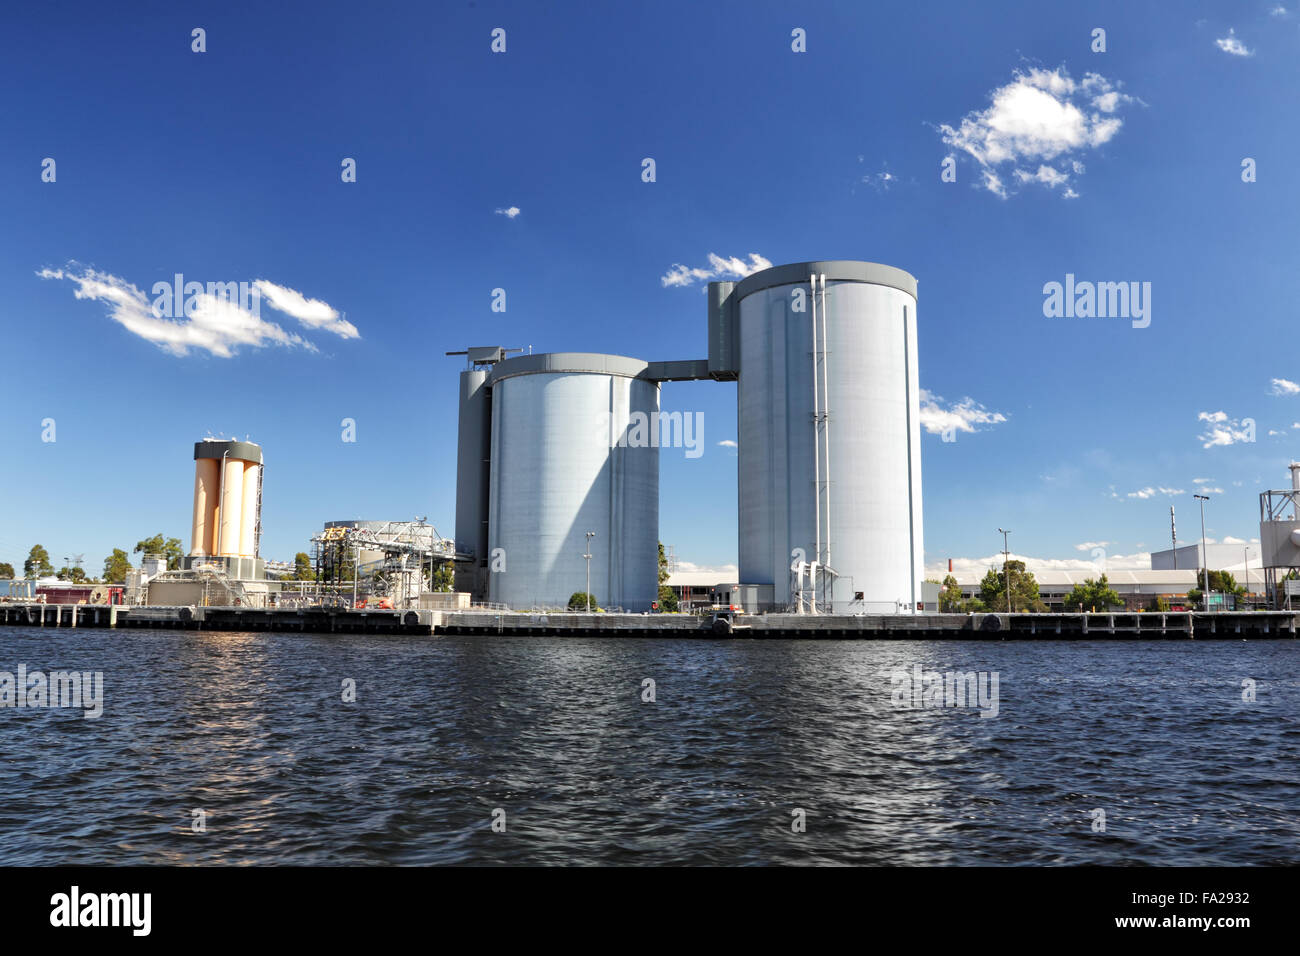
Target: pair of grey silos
(829, 463)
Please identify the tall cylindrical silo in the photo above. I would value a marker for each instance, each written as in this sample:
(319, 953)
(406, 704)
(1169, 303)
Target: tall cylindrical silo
(232, 501)
(207, 480)
(572, 452)
(227, 482)
(829, 430)
(248, 509)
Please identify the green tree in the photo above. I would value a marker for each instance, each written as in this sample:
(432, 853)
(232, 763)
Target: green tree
(1024, 589)
(37, 564)
(115, 567)
(1158, 603)
(76, 575)
(6, 570)
(1093, 595)
(302, 569)
(667, 596)
(950, 599)
(444, 578)
(1221, 582)
(579, 601)
(171, 547)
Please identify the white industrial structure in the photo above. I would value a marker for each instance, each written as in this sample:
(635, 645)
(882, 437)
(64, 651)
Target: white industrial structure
(1218, 557)
(1279, 539)
(553, 448)
(391, 556)
(568, 451)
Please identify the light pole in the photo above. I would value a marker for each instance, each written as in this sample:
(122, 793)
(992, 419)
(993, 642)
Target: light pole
(590, 535)
(1245, 563)
(1204, 565)
(1006, 569)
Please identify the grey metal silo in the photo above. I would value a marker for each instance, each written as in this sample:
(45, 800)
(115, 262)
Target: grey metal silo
(829, 431)
(565, 459)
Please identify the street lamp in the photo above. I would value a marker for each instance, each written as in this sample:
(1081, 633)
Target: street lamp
(1006, 570)
(1204, 561)
(1245, 562)
(590, 535)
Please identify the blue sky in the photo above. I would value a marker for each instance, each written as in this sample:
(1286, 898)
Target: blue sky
(225, 166)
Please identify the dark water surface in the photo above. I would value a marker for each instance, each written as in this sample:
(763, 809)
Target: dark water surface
(252, 729)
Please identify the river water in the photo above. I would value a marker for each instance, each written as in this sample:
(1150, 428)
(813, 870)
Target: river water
(221, 748)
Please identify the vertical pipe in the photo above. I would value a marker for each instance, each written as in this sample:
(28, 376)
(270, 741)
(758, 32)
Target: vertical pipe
(911, 507)
(826, 425)
(216, 513)
(817, 453)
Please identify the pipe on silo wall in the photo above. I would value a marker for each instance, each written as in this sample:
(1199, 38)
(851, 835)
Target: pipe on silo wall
(207, 480)
(248, 508)
(232, 494)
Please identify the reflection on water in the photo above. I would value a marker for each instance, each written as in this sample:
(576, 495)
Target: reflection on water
(252, 730)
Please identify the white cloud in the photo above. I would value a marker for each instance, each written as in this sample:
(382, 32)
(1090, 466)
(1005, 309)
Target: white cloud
(312, 313)
(1047, 175)
(1150, 492)
(1140, 561)
(719, 268)
(1230, 44)
(728, 443)
(1038, 117)
(880, 181)
(1089, 545)
(509, 213)
(1222, 430)
(1282, 386)
(960, 416)
(215, 324)
(1278, 11)
(724, 572)
(1229, 539)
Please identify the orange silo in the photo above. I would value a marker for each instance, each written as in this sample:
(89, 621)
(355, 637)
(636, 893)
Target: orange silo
(227, 498)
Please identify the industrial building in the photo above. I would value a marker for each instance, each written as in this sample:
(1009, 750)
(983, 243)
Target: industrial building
(1217, 557)
(558, 482)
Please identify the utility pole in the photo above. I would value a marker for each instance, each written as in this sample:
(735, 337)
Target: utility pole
(1173, 536)
(590, 535)
(1006, 566)
(1204, 560)
(356, 573)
